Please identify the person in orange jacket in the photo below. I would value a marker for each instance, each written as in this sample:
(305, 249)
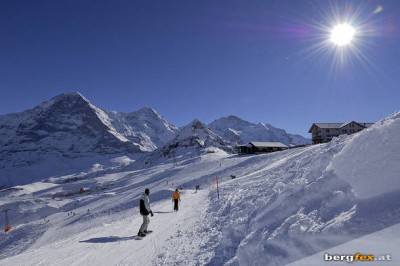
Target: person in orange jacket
(176, 197)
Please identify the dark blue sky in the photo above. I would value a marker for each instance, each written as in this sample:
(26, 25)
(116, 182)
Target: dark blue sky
(264, 61)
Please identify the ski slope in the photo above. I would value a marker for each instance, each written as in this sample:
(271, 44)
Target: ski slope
(285, 207)
(116, 243)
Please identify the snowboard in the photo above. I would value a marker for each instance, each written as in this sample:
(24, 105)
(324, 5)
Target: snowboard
(141, 237)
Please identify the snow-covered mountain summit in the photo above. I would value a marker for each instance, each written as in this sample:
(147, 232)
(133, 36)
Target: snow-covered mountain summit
(145, 127)
(190, 141)
(197, 133)
(239, 131)
(66, 127)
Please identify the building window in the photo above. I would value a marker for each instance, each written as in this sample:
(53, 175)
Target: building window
(327, 131)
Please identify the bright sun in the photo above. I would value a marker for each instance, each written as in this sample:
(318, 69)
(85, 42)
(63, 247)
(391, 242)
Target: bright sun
(342, 34)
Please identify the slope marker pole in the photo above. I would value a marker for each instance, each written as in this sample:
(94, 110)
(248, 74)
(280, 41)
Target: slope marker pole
(8, 227)
(217, 186)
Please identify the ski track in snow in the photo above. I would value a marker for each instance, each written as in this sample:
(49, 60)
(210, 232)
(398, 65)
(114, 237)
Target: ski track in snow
(116, 243)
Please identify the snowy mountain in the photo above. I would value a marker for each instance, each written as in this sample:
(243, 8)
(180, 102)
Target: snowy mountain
(197, 134)
(239, 132)
(191, 141)
(294, 206)
(66, 127)
(71, 134)
(145, 128)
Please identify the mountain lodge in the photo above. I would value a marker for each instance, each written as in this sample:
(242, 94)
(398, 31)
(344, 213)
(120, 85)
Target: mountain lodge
(261, 147)
(324, 132)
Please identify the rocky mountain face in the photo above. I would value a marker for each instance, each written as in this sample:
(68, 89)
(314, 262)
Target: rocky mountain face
(68, 127)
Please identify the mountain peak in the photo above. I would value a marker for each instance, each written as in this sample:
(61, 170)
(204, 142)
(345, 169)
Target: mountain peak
(69, 99)
(230, 119)
(197, 124)
(233, 117)
(70, 96)
(239, 131)
(148, 110)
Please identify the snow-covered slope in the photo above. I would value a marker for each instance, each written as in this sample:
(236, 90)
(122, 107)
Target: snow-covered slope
(239, 132)
(295, 203)
(279, 208)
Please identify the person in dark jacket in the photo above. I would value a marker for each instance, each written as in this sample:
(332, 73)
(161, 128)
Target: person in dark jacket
(145, 211)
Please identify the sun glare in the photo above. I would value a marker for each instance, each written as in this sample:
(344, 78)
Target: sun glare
(342, 34)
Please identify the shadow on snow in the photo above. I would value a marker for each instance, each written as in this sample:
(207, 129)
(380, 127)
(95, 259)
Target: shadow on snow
(108, 239)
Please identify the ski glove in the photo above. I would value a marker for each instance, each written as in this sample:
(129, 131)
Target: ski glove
(151, 213)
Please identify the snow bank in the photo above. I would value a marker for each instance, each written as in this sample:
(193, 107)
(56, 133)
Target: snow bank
(291, 204)
(370, 162)
(370, 244)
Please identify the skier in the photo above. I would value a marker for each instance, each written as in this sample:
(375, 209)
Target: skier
(145, 211)
(176, 197)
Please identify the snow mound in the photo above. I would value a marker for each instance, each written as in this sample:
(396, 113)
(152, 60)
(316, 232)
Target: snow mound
(370, 161)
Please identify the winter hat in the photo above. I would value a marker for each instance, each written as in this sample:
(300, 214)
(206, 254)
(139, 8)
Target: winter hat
(147, 191)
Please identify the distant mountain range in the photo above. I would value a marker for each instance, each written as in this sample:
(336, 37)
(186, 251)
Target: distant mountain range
(68, 127)
(238, 131)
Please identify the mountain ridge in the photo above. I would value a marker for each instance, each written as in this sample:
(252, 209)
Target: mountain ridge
(239, 131)
(69, 126)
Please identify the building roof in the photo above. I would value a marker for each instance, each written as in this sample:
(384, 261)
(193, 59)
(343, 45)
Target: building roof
(326, 125)
(336, 125)
(268, 144)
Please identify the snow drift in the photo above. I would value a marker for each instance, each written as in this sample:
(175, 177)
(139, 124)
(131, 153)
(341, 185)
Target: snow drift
(297, 203)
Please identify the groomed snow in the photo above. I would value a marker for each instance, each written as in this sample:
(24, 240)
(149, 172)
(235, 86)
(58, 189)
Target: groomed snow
(115, 243)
